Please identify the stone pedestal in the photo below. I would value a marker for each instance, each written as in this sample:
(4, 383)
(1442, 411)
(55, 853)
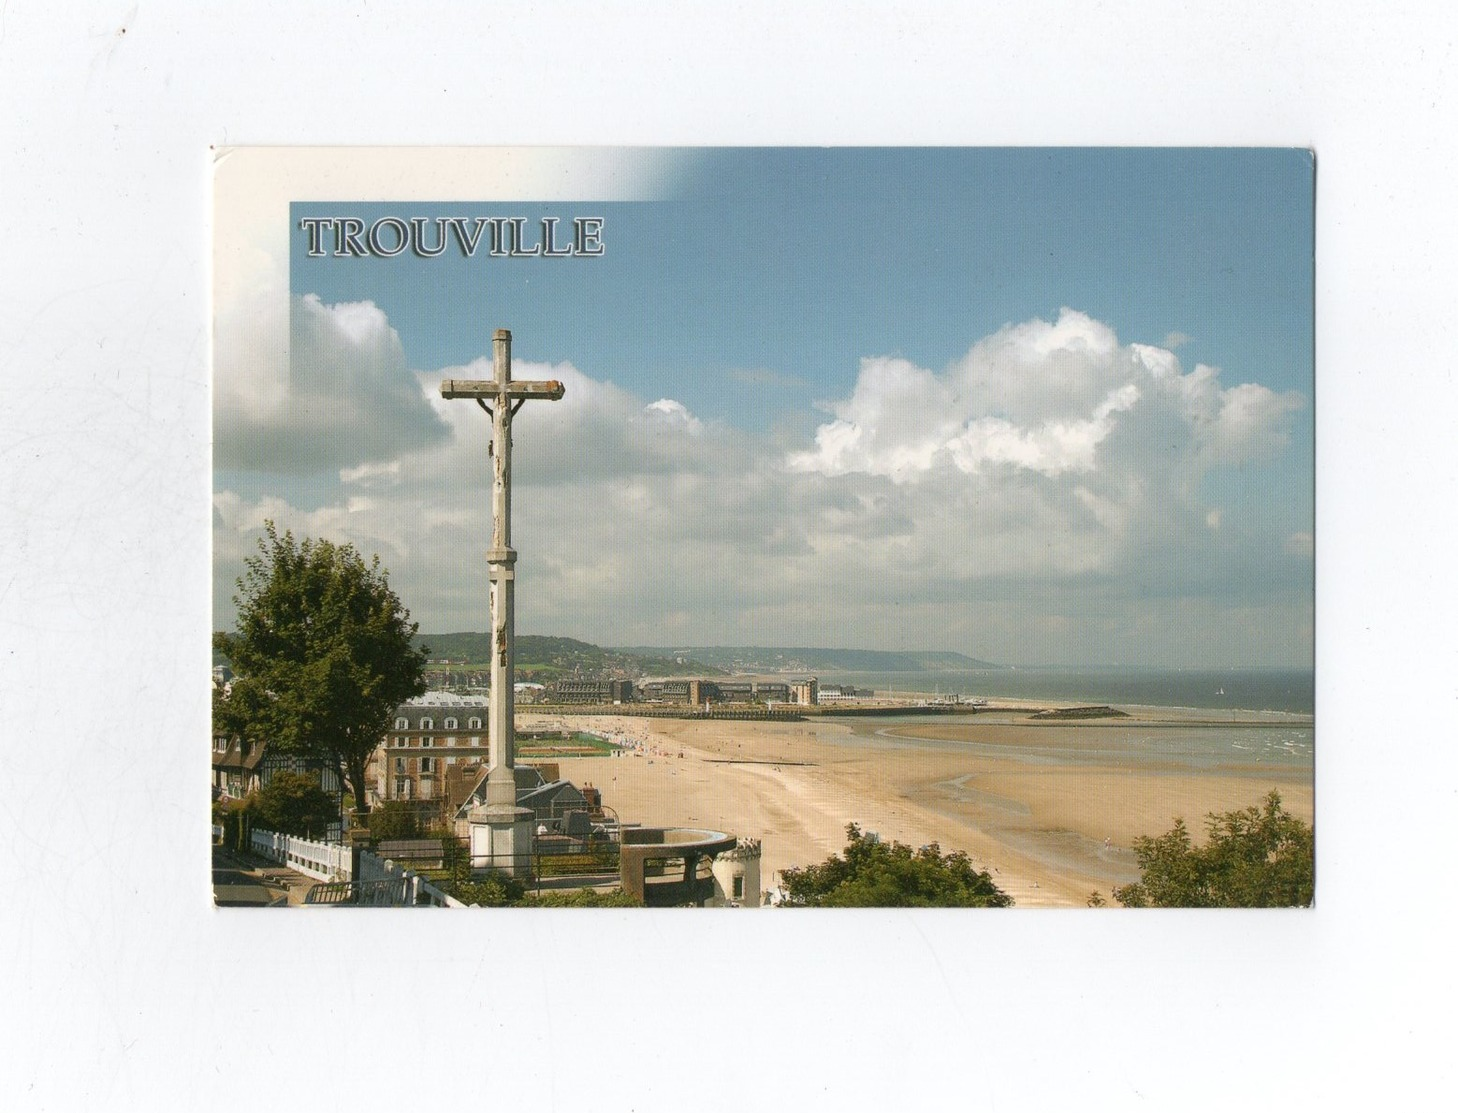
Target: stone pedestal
(501, 839)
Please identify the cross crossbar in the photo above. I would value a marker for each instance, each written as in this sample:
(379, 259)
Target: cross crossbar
(490, 388)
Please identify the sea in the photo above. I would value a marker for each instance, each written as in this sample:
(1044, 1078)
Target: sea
(1247, 717)
(1287, 691)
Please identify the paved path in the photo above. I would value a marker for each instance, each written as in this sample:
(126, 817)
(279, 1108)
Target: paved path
(248, 881)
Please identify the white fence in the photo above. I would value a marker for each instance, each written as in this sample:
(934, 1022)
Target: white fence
(334, 862)
(321, 860)
(415, 889)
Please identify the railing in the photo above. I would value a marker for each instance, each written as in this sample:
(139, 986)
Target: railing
(358, 894)
(393, 892)
(377, 882)
(413, 889)
(552, 857)
(321, 860)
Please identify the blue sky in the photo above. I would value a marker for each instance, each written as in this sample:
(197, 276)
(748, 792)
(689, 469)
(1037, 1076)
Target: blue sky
(802, 261)
(1088, 371)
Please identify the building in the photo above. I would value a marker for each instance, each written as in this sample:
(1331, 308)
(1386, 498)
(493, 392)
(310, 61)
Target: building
(697, 691)
(736, 875)
(240, 767)
(831, 693)
(806, 692)
(237, 766)
(592, 691)
(552, 802)
(676, 867)
(672, 690)
(429, 737)
(735, 691)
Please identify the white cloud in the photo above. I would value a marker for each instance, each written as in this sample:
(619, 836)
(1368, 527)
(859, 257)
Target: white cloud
(1299, 544)
(1049, 481)
(1042, 397)
(666, 409)
(339, 395)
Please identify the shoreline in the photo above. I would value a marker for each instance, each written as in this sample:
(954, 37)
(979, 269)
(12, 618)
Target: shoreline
(1050, 831)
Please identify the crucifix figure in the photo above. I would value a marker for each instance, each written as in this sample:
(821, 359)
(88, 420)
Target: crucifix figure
(501, 397)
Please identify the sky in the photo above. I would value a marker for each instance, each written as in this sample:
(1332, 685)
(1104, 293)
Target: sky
(1036, 406)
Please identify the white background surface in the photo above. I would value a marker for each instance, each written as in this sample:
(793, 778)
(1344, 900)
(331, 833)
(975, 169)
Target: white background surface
(125, 989)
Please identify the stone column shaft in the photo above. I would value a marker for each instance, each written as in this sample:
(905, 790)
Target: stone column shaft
(501, 559)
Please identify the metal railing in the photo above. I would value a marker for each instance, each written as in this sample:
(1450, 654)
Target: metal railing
(385, 893)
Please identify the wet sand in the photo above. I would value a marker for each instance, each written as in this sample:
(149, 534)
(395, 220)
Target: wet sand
(1051, 808)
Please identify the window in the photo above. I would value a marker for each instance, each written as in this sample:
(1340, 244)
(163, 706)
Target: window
(475, 740)
(427, 765)
(427, 742)
(739, 887)
(474, 724)
(450, 724)
(402, 788)
(427, 724)
(399, 765)
(451, 741)
(402, 724)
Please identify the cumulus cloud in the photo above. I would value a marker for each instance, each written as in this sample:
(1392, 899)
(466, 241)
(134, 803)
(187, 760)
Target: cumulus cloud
(340, 395)
(1043, 397)
(1047, 485)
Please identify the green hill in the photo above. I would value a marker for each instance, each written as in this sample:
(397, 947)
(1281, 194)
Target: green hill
(751, 659)
(546, 658)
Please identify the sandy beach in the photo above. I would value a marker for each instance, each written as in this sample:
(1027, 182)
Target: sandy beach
(1052, 808)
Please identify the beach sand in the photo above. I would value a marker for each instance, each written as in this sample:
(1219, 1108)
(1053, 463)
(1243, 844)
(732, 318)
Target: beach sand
(1040, 826)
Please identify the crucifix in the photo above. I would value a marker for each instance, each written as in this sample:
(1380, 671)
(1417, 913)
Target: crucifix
(501, 396)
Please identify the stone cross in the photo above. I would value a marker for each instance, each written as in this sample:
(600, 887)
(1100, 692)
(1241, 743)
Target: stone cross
(501, 396)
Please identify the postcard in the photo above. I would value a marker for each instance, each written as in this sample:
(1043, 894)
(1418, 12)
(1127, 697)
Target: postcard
(763, 527)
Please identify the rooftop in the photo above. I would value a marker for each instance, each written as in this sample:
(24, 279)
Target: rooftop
(447, 699)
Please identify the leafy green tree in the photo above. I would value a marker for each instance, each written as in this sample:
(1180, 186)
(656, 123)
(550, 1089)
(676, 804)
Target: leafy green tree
(1259, 857)
(322, 654)
(394, 819)
(294, 804)
(874, 874)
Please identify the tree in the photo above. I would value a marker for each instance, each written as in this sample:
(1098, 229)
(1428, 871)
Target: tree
(294, 804)
(873, 874)
(394, 819)
(1259, 857)
(322, 654)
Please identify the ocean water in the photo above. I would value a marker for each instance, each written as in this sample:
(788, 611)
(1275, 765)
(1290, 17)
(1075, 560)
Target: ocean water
(1243, 747)
(1291, 691)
